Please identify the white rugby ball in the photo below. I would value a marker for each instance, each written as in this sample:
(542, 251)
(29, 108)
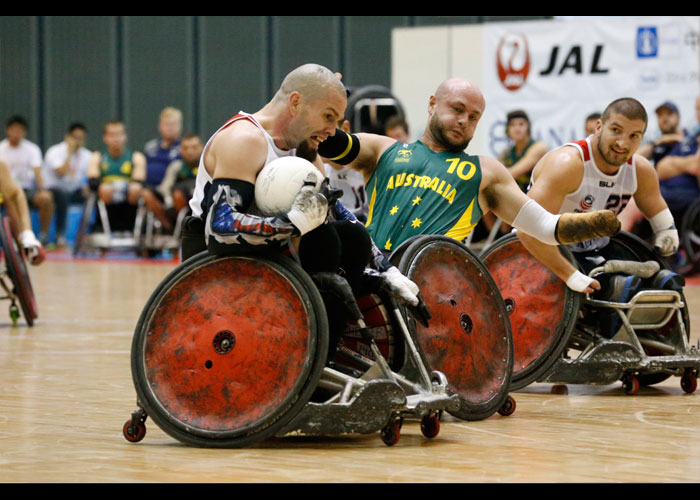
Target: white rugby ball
(279, 182)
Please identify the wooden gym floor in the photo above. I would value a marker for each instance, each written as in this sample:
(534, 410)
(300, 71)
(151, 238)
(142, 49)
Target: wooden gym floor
(66, 391)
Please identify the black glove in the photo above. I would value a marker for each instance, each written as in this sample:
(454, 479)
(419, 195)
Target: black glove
(332, 195)
(420, 312)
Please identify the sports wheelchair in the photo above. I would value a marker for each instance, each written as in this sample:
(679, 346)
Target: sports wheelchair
(19, 288)
(231, 350)
(145, 237)
(638, 334)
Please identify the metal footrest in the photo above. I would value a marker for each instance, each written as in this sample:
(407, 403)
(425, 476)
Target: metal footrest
(368, 411)
(609, 361)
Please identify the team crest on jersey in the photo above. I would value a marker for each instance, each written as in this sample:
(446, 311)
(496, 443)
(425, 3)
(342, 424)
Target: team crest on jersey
(404, 155)
(587, 202)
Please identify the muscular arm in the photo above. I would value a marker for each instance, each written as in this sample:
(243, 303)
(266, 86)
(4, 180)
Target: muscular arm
(499, 192)
(372, 146)
(648, 196)
(14, 197)
(556, 176)
(236, 156)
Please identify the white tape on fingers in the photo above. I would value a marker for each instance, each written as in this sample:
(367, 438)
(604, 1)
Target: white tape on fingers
(578, 281)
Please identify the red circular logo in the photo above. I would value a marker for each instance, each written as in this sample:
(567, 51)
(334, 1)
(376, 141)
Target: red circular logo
(513, 60)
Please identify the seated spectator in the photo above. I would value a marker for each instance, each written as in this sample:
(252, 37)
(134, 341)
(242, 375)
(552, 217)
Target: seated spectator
(590, 122)
(679, 169)
(668, 121)
(521, 157)
(525, 152)
(397, 128)
(163, 150)
(177, 187)
(117, 174)
(65, 168)
(24, 159)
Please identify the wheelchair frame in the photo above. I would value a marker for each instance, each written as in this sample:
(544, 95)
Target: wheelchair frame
(373, 399)
(15, 269)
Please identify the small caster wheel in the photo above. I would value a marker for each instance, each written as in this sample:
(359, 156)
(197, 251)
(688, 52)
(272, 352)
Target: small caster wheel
(14, 314)
(391, 433)
(430, 425)
(689, 381)
(630, 384)
(561, 389)
(134, 431)
(508, 407)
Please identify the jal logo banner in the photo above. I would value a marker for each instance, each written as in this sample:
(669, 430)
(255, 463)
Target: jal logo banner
(561, 71)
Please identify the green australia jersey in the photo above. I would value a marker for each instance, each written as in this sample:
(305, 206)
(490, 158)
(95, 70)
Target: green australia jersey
(116, 169)
(416, 191)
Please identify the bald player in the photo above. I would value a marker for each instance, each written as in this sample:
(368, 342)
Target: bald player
(307, 106)
(303, 113)
(433, 187)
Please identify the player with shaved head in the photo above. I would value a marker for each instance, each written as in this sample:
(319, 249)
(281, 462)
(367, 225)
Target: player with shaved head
(432, 186)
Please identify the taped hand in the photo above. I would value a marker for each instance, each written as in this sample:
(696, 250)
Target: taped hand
(666, 241)
(310, 208)
(32, 247)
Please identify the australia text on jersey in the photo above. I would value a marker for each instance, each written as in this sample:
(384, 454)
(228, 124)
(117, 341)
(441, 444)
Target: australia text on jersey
(464, 169)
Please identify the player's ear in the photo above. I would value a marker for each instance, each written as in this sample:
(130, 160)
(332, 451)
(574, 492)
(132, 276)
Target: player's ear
(294, 102)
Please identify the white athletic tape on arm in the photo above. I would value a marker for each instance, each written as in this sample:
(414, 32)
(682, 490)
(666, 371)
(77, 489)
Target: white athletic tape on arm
(666, 236)
(578, 281)
(662, 220)
(534, 220)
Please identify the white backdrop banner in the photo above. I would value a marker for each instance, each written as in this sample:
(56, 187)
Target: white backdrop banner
(561, 71)
(557, 71)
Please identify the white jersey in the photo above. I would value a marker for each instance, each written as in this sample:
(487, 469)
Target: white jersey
(22, 160)
(353, 185)
(599, 191)
(204, 180)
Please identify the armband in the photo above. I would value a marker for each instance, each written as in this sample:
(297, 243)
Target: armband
(662, 220)
(341, 148)
(534, 220)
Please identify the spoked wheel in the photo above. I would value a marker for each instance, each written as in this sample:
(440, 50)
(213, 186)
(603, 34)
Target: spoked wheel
(16, 264)
(469, 338)
(228, 350)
